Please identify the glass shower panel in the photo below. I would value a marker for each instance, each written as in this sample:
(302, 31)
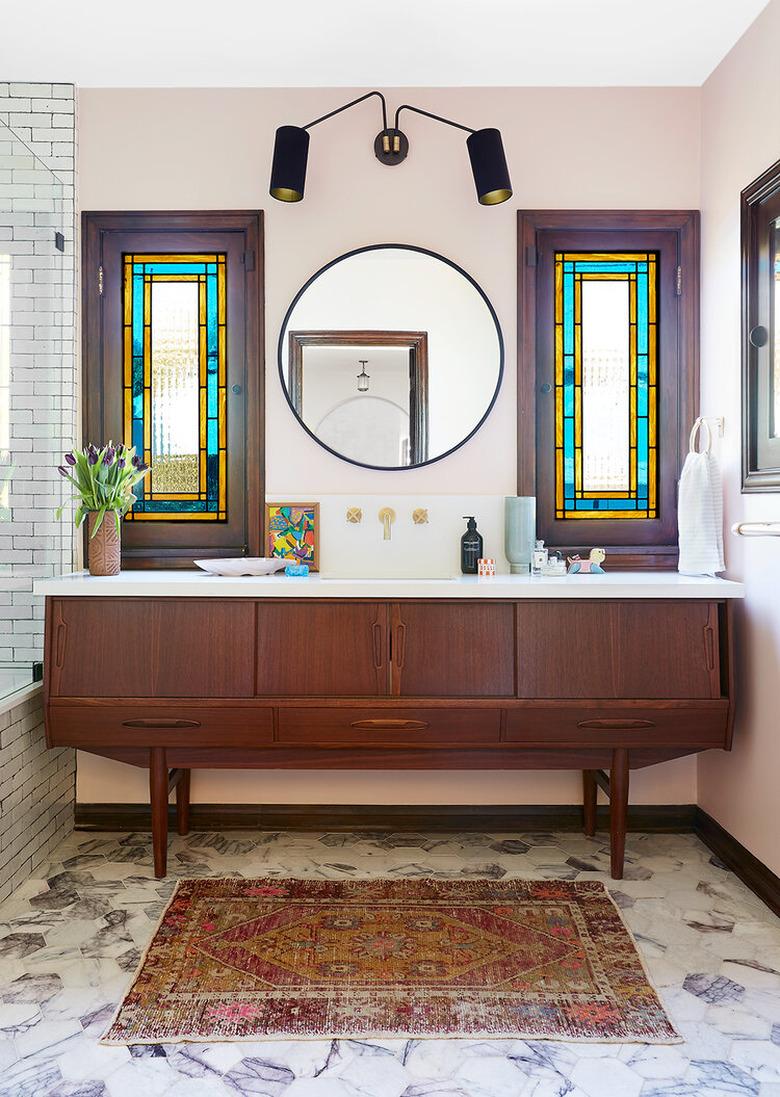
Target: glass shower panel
(36, 397)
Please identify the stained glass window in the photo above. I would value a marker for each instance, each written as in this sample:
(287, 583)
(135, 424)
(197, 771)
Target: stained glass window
(175, 384)
(605, 385)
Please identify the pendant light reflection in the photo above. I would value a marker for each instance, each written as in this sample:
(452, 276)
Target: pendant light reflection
(363, 378)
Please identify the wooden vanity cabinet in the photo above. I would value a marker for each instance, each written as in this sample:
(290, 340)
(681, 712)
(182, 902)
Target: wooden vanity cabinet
(176, 683)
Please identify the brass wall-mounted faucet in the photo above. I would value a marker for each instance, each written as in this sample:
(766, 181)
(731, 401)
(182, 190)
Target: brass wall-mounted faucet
(386, 517)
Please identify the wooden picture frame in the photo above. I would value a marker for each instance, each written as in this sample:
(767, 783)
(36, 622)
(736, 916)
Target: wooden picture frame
(301, 520)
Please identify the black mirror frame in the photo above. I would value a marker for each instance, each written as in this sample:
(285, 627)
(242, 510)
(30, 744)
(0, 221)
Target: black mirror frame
(399, 247)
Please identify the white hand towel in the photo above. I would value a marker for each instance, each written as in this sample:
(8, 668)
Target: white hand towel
(700, 509)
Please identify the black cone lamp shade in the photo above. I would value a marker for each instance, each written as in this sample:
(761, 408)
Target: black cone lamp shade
(488, 164)
(288, 171)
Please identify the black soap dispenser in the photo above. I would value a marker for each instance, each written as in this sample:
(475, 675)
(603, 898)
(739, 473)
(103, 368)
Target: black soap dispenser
(470, 547)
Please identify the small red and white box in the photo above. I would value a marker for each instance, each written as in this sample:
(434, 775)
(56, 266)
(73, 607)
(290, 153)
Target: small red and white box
(486, 567)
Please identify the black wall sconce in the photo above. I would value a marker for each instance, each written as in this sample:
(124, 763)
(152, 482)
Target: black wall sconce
(391, 145)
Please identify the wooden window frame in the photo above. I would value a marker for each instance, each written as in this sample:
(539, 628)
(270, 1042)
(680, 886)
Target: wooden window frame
(151, 544)
(630, 554)
(759, 206)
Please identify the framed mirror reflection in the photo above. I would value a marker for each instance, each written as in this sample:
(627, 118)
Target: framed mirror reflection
(760, 334)
(391, 356)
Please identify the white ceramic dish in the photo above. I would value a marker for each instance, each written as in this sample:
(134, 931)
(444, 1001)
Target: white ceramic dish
(244, 565)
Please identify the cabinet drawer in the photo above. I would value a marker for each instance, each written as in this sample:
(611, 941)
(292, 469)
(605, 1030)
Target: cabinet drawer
(681, 725)
(408, 727)
(142, 725)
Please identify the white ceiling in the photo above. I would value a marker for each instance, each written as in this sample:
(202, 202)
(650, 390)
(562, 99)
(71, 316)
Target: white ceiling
(363, 43)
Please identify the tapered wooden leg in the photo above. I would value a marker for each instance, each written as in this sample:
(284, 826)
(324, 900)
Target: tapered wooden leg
(589, 791)
(158, 795)
(183, 803)
(618, 810)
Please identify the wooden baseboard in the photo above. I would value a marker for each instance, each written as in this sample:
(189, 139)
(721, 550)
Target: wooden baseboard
(666, 818)
(758, 877)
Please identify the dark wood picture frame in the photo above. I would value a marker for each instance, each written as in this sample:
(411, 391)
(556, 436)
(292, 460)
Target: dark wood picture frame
(677, 230)
(239, 234)
(417, 344)
(759, 209)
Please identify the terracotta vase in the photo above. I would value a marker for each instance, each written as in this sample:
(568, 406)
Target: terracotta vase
(105, 548)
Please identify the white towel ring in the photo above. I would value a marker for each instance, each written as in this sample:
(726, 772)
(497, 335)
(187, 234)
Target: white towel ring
(699, 425)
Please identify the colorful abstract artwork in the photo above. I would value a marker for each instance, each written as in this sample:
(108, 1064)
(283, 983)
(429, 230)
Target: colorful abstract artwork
(606, 385)
(175, 383)
(292, 530)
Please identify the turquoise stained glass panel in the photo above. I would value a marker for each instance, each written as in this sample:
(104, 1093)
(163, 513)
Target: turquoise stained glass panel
(175, 383)
(605, 385)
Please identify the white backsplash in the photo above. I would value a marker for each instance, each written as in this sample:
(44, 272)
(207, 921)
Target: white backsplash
(413, 551)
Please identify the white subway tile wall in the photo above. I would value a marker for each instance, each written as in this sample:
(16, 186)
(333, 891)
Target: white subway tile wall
(37, 362)
(36, 794)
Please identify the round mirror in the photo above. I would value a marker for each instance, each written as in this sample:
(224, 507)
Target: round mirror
(391, 356)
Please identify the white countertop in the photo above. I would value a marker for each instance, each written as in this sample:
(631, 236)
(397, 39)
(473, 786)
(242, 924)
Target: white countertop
(197, 584)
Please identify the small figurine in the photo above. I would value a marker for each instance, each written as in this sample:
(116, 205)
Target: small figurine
(591, 566)
(555, 566)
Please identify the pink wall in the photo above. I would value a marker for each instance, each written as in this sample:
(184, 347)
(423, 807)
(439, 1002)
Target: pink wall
(740, 138)
(567, 147)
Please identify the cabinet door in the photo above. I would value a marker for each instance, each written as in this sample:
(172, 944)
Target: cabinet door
(453, 649)
(600, 649)
(145, 647)
(322, 649)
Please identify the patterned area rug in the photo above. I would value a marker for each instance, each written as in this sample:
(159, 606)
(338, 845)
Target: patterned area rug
(318, 959)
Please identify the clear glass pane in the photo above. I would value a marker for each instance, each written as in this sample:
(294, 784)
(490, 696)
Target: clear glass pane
(37, 406)
(175, 387)
(605, 386)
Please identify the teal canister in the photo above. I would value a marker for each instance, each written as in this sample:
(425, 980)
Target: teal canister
(519, 532)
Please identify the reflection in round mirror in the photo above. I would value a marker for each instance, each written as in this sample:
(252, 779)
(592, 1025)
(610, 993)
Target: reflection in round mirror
(391, 356)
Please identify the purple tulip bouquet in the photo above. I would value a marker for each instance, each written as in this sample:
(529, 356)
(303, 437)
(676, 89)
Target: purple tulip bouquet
(103, 480)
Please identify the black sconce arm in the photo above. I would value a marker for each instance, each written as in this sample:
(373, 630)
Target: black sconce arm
(354, 103)
(435, 117)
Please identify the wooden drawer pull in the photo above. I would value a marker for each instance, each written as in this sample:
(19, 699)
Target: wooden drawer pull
(161, 724)
(389, 725)
(615, 724)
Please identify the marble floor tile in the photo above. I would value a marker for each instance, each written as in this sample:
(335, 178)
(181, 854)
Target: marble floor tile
(70, 939)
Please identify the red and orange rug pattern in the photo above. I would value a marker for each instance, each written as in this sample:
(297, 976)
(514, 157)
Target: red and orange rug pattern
(316, 959)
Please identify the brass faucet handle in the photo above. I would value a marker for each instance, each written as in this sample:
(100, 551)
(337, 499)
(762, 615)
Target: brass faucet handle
(354, 515)
(420, 516)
